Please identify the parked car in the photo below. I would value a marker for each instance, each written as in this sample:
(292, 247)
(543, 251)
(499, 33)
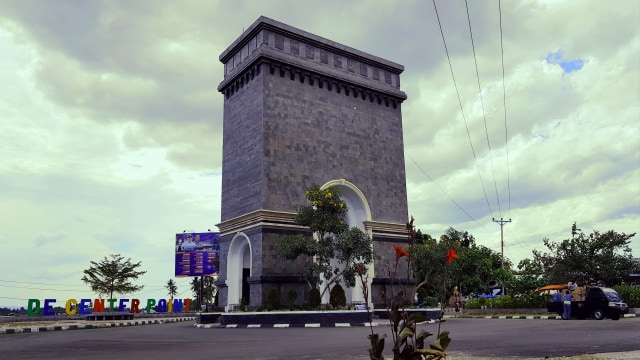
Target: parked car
(592, 301)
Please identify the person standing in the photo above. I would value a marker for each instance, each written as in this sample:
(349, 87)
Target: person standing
(567, 305)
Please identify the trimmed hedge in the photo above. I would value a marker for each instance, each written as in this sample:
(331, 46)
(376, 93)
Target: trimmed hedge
(525, 301)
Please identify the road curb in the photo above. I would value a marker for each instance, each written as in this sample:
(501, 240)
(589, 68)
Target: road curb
(537, 317)
(305, 325)
(93, 325)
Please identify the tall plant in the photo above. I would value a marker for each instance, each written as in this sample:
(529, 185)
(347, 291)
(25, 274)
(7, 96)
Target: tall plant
(172, 288)
(408, 343)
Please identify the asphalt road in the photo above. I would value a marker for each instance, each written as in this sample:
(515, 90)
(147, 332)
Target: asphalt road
(535, 338)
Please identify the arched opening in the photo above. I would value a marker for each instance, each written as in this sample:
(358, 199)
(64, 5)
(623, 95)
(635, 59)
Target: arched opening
(239, 269)
(358, 213)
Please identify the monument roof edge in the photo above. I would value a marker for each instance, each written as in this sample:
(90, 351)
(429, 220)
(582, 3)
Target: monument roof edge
(264, 22)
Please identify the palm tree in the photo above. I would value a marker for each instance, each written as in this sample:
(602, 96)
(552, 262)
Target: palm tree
(204, 290)
(172, 288)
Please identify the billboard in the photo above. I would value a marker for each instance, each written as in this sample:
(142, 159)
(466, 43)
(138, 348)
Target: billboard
(197, 254)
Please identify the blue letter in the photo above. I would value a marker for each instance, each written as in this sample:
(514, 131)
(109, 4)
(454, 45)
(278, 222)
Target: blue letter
(122, 306)
(85, 306)
(48, 309)
(162, 305)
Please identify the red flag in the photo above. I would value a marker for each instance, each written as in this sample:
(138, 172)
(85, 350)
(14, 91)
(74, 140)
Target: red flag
(451, 254)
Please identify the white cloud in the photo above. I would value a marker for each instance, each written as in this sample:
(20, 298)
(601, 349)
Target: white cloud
(111, 123)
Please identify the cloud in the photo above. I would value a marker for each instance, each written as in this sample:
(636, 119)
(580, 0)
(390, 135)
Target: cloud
(111, 127)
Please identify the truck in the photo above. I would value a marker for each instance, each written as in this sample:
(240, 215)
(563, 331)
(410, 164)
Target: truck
(587, 301)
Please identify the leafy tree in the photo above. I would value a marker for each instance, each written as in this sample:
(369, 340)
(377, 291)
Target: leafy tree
(427, 264)
(113, 275)
(475, 268)
(204, 290)
(597, 258)
(529, 276)
(334, 250)
(172, 288)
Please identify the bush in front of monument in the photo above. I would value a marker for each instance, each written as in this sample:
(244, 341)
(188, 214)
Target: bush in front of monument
(314, 298)
(292, 295)
(337, 297)
(273, 300)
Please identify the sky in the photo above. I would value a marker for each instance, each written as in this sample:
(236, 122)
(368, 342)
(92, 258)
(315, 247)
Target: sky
(111, 123)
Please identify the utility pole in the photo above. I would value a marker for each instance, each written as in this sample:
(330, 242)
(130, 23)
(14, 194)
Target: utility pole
(502, 222)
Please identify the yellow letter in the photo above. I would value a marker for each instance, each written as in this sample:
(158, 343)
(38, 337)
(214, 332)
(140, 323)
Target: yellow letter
(68, 309)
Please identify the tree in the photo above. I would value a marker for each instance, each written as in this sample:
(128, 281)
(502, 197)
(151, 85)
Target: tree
(427, 264)
(475, 268)
(113, 275)
(594, 259)
(204, 290)
(528, 277)
(172, 288)
(334, 249)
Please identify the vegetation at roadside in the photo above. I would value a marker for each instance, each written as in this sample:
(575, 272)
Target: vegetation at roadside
(599, 258)
(530, 300)
(630, 294)
(204, 292)
(113, 274)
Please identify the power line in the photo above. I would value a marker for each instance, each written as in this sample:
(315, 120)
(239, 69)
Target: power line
(461, 108)
(447, 195)
(37, 283)
(504, 101)
(484, 118)
(37, 288)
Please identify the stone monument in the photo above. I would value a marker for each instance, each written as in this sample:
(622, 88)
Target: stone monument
(302, 110)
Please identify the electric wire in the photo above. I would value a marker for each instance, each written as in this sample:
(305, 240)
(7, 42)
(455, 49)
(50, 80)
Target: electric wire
(461, 108)
(504, 101)
(445, 194)
(38, 283)
(38, 288)
(484, 118)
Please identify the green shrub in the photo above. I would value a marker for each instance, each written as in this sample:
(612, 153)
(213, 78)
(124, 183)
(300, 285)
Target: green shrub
(630, 294)
(532, 300)
(337, 297)
(422, 294)
(292, 295)
(273, 299)
(472, 304)
(525, 301)
(314, 298)
(430, 301)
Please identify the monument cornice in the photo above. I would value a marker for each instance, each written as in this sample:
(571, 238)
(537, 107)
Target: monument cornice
(272, 57)
(282, 219)
(386, 229)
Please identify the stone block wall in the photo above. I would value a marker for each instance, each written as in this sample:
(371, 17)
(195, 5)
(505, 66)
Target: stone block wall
(302, 110)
